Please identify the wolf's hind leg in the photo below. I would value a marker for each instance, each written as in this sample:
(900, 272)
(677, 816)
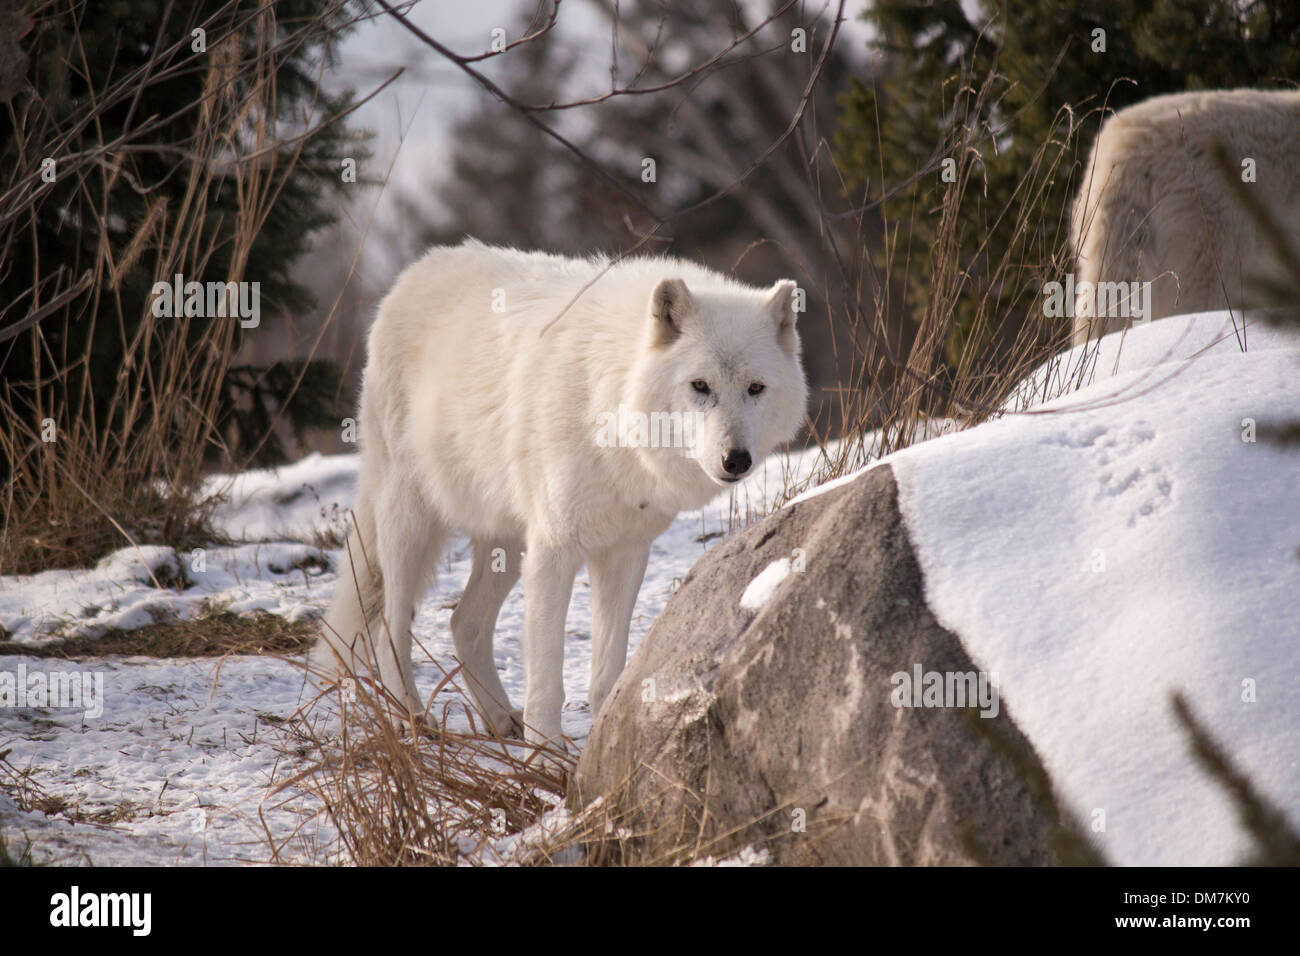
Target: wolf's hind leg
(497, 565)
(409, 541)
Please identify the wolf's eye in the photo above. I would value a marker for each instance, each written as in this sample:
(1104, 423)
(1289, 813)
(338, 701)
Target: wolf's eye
(700, 386)
(756, 387)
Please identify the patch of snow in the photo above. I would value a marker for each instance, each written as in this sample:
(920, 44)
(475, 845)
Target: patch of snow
(761, 589)
(174, 771)
(122, 591)
(300, 501)
(747, 856)
(1160, 349)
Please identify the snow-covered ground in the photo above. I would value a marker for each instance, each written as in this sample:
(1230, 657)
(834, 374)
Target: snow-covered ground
(175, 769)
(1096, 550)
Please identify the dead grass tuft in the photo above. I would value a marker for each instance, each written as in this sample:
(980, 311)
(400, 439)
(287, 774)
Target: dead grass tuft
(213, 635)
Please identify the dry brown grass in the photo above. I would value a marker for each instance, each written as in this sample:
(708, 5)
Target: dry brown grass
(410, 791)
(211, 635)
(418, 793)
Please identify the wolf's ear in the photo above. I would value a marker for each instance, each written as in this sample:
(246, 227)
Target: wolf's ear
(670, 304)
(780, 306)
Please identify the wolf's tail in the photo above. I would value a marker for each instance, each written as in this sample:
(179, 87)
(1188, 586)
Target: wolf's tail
(355, 612)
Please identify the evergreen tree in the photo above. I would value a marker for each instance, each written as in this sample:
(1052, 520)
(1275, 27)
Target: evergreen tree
(127, 201)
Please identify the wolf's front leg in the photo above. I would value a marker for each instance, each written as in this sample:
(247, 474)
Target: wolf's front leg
(615, 580)
(548, 585)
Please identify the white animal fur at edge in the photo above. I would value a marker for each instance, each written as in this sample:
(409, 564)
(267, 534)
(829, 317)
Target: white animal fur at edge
(473, 420)
(1152, 206)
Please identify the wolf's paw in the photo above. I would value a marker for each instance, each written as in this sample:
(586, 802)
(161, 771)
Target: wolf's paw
(323, 664)
(554, 760)
(507, 724)
(415, 725)
(550, 755)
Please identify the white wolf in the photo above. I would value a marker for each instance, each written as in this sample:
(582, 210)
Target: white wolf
(474, 419)
(1153, 208)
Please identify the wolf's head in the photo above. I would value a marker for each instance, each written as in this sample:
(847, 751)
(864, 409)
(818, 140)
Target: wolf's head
(725, 363)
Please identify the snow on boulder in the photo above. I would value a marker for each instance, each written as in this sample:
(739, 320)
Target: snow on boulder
(764, 586)
(1124, 542)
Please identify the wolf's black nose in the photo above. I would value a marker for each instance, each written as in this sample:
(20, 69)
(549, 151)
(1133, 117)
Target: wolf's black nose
(736, 462)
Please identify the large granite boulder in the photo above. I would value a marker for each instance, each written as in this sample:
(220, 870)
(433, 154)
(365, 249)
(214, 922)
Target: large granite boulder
(772, 722)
